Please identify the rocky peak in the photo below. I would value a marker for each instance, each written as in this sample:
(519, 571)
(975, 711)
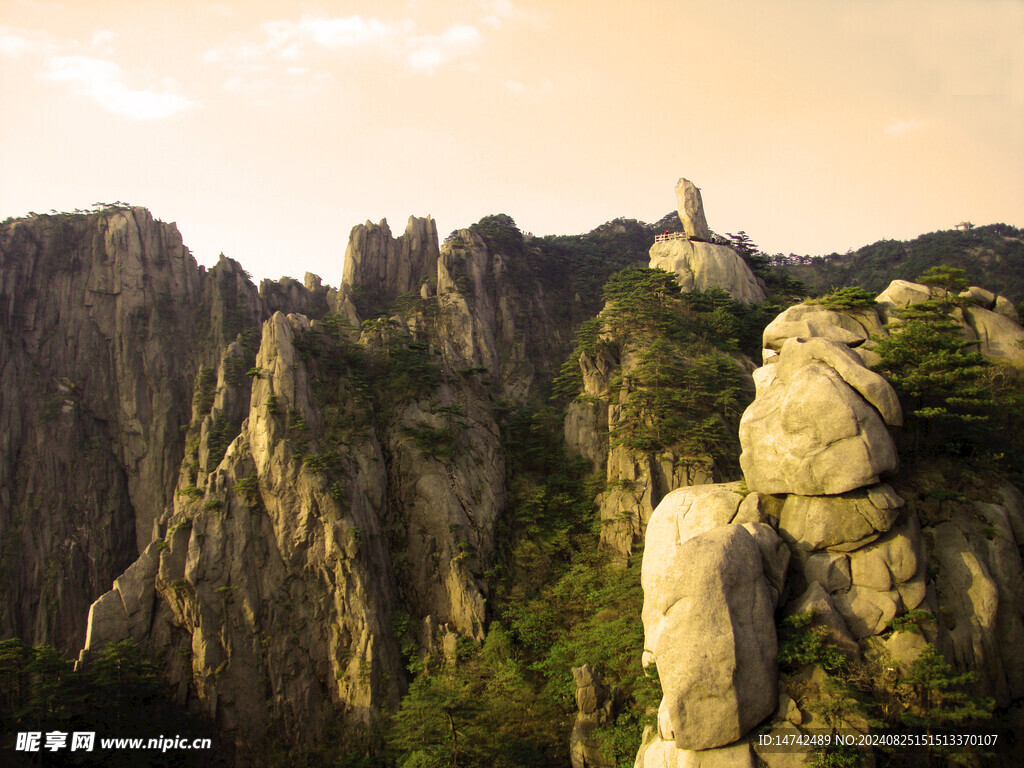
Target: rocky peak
(380, 268)
(698, 264)
(691, 210)
(290, 296)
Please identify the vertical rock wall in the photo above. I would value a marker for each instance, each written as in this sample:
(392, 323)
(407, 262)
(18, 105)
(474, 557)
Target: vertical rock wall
(105, 320)
(818, 459)
(342, 496)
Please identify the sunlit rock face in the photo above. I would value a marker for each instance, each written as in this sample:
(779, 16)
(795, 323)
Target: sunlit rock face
(699, 266)
(105, 319)
(312, 515)
(691, 210)
(819, 422)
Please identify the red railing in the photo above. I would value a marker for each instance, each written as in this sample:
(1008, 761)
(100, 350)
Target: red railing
(670, 236)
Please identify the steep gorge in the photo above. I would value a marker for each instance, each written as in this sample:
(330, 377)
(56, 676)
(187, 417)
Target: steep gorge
(330, 498)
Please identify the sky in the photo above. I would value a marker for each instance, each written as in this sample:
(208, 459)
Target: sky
(267, 129)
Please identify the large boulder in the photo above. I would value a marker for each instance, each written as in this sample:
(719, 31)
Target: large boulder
(843, 521)
(656, 752)
(709, 626)
(999, 338)
(900, 294)
(852, 327)
(691, 210)
(818, 423)
(699, 266)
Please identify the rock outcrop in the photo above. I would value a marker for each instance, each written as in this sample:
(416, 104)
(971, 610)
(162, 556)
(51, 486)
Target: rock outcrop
(597, 704)
(105, 321)
(853, 328)
(380, 268)
(713, 574)
(637, 480)
(819, 422)
(819, 464)
(303, 478)
(691, 210)
(992, 323)
(699, 264)
(709, 626)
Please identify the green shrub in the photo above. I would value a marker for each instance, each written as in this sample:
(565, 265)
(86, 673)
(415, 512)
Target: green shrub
(323, 462)
(191, 492)
(803, 640)
(852, 297)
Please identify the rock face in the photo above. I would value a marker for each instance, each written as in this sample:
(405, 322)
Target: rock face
(691, 210)
(382, 268)
(315, 510)
(597, 704)
(699, 266)
(105, 320)
(636, 481)
(818, 423)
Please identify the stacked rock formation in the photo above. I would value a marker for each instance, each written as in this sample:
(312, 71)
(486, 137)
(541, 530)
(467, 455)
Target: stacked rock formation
(597, 704)
(817, 452)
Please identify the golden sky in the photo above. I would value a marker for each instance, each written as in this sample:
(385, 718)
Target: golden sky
(267, 129)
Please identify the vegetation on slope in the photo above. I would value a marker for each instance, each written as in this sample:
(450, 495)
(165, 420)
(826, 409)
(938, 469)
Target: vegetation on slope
(557, 602)
(557, 599)
(993, 255)
(119, 694)
(955, 401)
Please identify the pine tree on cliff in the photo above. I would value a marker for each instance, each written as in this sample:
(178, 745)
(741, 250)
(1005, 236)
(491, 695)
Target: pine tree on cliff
(948, 390)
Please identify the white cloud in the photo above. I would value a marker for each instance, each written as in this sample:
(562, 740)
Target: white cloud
(21, 42)
(496, 12)
(86, 67)
(428, 52)
(301, 42)
(103, 37)
(102, 81)
(902, 127)
(348, 32)
(286, 39)
(520, 88)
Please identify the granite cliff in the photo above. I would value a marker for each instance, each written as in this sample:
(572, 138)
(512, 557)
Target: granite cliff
(861, 556)
(307, 506)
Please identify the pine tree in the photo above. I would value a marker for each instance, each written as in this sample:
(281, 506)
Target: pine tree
(949, 391)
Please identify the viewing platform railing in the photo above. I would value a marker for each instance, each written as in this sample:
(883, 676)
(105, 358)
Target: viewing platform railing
(665, 237)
